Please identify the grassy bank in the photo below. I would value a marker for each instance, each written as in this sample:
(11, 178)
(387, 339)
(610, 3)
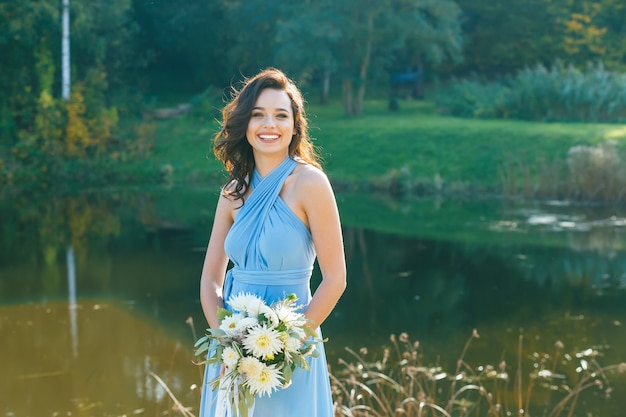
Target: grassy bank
(410, 148)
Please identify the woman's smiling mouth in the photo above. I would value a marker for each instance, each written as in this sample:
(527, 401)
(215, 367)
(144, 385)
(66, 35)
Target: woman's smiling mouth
(268, 138)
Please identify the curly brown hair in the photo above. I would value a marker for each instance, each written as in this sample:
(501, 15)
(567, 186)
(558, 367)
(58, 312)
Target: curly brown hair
(230, 145)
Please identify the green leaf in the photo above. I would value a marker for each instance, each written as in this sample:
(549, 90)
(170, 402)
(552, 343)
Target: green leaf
(263, 318)
(309, 331)
(222, 313)
(201, 340)
(300, 362)
(215, 333)
(287, 373)
(202, 349)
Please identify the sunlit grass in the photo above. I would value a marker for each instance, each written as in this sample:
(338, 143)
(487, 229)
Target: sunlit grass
(410, 148)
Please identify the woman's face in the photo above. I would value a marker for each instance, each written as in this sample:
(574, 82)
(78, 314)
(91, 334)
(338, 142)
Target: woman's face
(271, 125)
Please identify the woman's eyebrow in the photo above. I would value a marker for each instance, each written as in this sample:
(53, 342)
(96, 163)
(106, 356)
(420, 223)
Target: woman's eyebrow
(263, 108)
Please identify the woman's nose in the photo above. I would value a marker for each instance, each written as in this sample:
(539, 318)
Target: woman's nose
(269, 122)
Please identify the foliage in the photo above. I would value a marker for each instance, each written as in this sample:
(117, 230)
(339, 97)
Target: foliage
(188, 43)
(558, 93)
(504, 36)
(349, 40)
(207, 106)
(42, 133)
(591, 31)
(402, 383)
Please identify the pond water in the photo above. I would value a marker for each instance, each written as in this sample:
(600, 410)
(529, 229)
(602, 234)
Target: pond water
(99, 292)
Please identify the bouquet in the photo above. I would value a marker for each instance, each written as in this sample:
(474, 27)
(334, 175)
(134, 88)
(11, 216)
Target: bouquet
(260, 346)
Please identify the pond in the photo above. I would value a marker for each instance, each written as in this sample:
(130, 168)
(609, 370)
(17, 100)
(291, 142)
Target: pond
(99, 292)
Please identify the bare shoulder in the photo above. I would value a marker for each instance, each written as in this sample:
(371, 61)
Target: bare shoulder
(311, 178)
(313, 186)
(227, 203)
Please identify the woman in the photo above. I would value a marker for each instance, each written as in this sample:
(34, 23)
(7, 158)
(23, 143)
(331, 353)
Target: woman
(275, 215)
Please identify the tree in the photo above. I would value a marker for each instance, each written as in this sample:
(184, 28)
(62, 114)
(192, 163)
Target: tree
(360, 38)
(38, 128)
(504, 36)
(189, 40)
(307, 43)
(593, 31)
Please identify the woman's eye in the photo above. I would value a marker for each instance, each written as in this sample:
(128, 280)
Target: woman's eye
(257, 114)
(282, 116)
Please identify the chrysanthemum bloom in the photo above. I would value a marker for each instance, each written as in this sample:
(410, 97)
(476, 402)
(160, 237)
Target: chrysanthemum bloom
(263, 342)
(246, 303)
(291, 346)
(268, 380)
(246, 323)
(229, 324)
(287, 315)
(230, 357)
(249, 366)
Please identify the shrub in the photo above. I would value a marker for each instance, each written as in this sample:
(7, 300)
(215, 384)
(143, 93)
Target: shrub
(559, 93)
(207, 105)
(596, 172)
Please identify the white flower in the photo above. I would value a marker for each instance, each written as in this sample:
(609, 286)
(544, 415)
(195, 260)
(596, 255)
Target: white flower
(266, 381)
(286, 314)
(246, 323)
(246, 303)
(249, 366)
(292, 344)
(262, 342)
(230, 324)
(230, 357)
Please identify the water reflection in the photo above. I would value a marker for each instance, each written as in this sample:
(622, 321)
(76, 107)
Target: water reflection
(430, 267)
(71, 299)
(110, 376)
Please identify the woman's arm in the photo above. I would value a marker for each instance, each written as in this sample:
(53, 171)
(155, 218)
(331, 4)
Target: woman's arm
(215, 262)
(320, 207)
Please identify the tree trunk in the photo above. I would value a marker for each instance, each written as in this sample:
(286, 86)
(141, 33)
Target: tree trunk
(346, 90)
(365, 63)
(325, 86)
(419, 82)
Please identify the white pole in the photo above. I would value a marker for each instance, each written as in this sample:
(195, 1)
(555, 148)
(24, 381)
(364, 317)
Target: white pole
(66, 50)
(71, 261)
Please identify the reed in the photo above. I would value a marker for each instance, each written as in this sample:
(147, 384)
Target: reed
(401, 383)
(587, 173)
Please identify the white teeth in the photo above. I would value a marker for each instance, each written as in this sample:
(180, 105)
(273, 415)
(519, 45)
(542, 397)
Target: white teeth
(268, 137)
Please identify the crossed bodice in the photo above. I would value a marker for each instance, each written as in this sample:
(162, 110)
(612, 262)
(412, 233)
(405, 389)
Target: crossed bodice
(268, 244)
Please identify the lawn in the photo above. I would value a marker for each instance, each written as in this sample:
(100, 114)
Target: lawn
(413, 144)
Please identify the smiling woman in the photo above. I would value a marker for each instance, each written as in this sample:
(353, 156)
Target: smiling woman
(276, 216)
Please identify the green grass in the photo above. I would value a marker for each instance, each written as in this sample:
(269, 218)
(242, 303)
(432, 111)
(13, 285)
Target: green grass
(414, 143)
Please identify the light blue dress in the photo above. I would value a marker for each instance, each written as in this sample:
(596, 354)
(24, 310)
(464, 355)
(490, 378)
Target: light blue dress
(272, 253)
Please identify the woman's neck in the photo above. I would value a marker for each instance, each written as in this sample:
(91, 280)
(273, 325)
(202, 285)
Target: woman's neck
(265, 164)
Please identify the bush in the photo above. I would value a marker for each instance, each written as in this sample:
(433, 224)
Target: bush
(207, 105)
(596, 172)
(559, 93)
